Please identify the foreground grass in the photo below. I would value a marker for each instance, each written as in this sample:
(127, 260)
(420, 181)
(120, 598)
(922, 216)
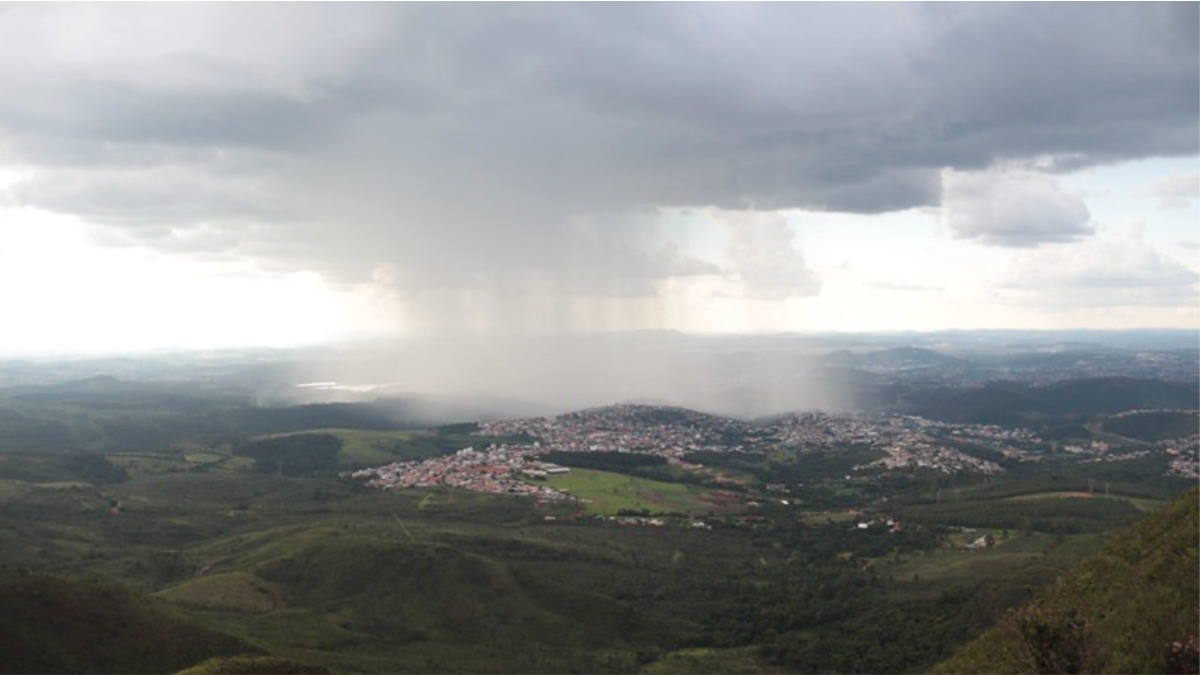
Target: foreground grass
(326, 574)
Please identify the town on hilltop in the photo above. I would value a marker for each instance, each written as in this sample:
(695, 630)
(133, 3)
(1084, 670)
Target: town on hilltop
(674, 434)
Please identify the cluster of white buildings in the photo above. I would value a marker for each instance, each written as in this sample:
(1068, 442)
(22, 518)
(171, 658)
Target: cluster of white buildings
(1093, 448)
(917, 453)
(618, 428)
(496, 469)
(1185, 456)
(672, 433)
(910, 442)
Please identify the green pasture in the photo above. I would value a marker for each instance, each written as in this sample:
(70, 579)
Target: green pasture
(610, 493)
(204, 457)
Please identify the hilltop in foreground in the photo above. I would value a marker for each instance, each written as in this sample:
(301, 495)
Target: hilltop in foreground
(1131, 608)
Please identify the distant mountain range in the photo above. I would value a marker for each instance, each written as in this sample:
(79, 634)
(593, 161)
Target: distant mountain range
(1014, 403)
(105, 413)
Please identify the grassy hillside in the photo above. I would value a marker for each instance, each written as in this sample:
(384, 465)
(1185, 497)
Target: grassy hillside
(1119, 611)
(802, 562)
(55, 625)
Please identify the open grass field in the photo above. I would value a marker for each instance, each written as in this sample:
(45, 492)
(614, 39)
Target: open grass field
(204, 457)
(608, 494)
(825, 516)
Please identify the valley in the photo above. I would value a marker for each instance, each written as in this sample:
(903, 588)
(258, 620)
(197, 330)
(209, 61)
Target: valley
(631, 537)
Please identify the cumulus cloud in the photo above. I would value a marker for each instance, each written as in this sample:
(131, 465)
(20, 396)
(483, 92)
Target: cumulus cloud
(761, 255)
(1176, 192)
(1012, 208)
(904, 288)
(1112, 270)
(458, 144)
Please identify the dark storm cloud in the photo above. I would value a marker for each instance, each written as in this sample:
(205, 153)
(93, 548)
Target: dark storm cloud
(145, 198)
(458, 145)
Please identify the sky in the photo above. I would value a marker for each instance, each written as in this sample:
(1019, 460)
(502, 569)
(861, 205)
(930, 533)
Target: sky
(223, 175)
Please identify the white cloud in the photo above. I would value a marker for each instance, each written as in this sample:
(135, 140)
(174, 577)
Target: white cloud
(1176, 192)
(904, 287)
(1012, 208)
(74, 296)
(761, 254)
(1117, 269)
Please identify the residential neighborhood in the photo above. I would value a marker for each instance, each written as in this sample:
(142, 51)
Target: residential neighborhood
(906, 442)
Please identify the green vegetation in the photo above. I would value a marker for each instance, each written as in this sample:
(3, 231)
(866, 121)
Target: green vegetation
(293, 454)
(1016, 403)
(1118, 611)
(1153, 426)
(371, 448)
(252, 665)
(1074, 515)
(612, 494)
(231, 591)
(705, 660)
(316, 571)
(56, 625)
(243, 551)
(616, 462)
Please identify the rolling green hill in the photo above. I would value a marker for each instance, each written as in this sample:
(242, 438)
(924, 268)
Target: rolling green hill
(51, 624)
(1119, 611)
(1156, 425)
(797, 562)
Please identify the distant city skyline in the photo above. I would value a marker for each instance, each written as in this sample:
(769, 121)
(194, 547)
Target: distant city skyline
(229, 175)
